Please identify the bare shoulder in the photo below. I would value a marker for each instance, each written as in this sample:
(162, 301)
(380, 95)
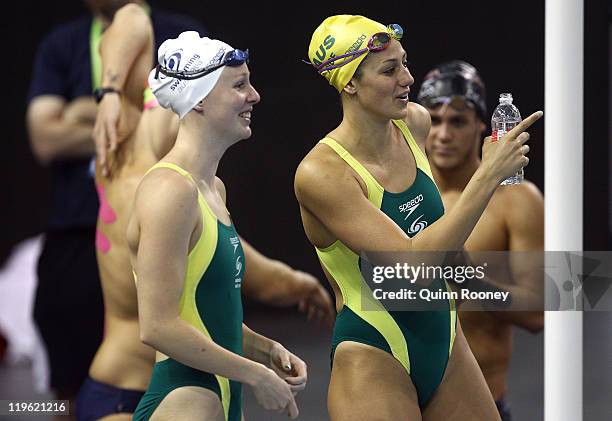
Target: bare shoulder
(220, 187)
(520, 196)
(320, 164)
(419, 123)
(165, 212)
(164, 194)
(522, 209)
(520, 204)
(322, 175)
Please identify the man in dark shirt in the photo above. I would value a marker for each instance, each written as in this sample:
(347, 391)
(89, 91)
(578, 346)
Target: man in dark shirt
(60, 118)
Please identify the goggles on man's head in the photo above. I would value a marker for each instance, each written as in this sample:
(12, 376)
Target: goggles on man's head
(232, 58)
(377, 42)
(437, 90)
(458, 102)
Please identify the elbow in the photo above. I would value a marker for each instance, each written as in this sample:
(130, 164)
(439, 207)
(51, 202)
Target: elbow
(130, 11)
(535, 323)
(41, 151)
(41, 141)
(133, 16)
(260, 295)
(149, 335)
(535, 327)
(145, 337)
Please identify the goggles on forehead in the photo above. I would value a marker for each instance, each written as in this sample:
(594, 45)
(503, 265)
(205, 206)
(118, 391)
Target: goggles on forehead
(377, 42)
(445, 90)
(458, 102)
(232, 58)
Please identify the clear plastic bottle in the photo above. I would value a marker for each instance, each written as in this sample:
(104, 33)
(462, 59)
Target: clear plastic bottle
(505, 117)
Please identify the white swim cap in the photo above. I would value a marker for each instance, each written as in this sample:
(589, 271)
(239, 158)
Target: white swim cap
(187, 53)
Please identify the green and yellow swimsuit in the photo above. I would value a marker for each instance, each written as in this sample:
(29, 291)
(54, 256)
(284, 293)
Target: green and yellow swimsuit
(420, 340)
(211, 303)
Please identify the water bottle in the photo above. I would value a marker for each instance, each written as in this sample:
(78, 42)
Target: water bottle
(505, 117)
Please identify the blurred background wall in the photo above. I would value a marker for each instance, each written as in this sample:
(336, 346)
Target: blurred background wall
(504, 40)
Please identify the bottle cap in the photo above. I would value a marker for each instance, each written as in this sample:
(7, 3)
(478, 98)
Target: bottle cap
(506, 97)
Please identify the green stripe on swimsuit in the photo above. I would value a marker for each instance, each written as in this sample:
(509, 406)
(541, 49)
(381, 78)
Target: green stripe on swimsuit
(210, 302)
(420, 340)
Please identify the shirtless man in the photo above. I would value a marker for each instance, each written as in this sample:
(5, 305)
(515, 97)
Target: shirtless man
(454, 95)
(137, 139)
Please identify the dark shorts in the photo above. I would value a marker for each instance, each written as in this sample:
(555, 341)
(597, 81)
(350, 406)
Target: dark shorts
(97, 400)
(504, 409)
(68, 308)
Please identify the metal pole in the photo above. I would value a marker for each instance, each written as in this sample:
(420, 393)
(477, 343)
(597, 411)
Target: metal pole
(563, 167)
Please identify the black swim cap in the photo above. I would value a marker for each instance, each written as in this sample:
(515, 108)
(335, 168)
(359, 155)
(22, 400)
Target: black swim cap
(454, 79)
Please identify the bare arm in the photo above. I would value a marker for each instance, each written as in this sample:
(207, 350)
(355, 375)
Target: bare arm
(59, 129)
(165, 200)
(125, 46)
(419, 122)
(267, 280)
(122, 43)
(525, 222)
(284, 364)
(275, 283)
(331, 193)
(256, 347)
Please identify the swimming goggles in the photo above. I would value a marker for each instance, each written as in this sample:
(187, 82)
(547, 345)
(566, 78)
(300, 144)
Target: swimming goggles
(442, 89)
(377, 42)
(232, 58)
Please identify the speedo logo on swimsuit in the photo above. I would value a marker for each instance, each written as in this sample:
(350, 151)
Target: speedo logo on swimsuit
(235, 241)
(410, 207)
(238, 265)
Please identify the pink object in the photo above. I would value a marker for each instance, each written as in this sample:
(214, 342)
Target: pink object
(102, 242)
(151, 104)
(106, 213)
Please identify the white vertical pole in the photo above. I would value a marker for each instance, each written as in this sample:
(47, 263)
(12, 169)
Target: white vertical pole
(563, 164)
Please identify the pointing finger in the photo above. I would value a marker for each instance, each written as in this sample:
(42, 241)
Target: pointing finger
(525, 124)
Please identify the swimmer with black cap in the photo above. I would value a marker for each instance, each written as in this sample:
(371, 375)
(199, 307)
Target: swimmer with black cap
(454, 95)
(187, 258)
(390, 365)
(451, 81)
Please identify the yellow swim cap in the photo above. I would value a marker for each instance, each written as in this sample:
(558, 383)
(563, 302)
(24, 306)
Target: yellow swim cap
(338, 35)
